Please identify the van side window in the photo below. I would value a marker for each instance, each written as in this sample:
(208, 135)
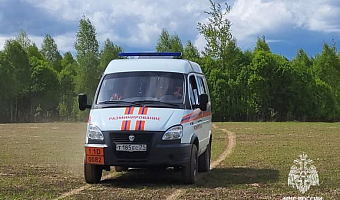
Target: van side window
(193, 91)
(201, 85)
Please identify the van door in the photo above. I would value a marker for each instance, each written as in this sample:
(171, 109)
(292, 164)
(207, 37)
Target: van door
(197, 114)
(206, 115)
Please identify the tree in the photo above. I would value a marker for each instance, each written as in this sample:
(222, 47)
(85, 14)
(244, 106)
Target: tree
(50, 50)
(191, 52)
(67, 59)
(261, 45)
(109, 52)
(327, 68)
(45, 87)
(217, 31)
(33, 51)
(169, 43)
(175, 43)
(8, 87)
(22, 70)
(304, 88)
(228, 62)
(164, 43)
(86, 42)
(23, 40)
(67, 86)
(88, 73)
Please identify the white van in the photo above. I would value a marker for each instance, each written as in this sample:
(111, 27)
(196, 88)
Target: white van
(149, 112)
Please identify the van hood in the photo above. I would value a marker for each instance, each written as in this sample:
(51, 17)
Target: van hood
(135, 118)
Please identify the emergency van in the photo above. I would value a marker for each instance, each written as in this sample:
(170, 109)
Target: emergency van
(149, 111)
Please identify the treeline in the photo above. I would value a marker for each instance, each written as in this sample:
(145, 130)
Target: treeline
(41, 85)
(259, 85)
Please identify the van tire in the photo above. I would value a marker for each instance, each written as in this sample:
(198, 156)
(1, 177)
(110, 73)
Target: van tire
(204, 160)
(190, 170)
(93, 173)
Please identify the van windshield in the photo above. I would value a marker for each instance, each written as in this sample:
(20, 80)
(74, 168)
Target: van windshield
(160, 89)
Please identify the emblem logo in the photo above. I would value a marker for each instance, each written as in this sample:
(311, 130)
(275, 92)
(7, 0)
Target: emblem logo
(131, 138)
(303, 174)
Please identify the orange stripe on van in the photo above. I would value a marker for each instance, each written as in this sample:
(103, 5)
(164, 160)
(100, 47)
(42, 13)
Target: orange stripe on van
(137, 125)
(129, 110)
(125, 125)
(143, 111)
(140, 125)
(128, 125)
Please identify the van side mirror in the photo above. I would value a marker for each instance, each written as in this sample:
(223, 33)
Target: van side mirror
(203, 101)
(82, 102)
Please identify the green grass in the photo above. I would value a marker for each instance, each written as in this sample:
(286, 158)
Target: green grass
(42, 161)
(264, 153)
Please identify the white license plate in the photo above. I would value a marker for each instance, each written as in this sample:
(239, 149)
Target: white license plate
(130, 147)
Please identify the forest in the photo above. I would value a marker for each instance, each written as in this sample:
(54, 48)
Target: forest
(40, 84)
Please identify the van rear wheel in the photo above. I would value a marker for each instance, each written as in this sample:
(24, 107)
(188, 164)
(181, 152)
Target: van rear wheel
(92, 173)
(204, 160)
(189, 171)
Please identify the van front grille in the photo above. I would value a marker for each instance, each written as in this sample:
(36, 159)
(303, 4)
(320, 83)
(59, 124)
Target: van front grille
(139, 138)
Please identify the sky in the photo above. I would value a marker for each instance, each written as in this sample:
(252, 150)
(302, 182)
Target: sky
(136, 25)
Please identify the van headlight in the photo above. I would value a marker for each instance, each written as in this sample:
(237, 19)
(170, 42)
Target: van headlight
(94, 133)
(173, 133)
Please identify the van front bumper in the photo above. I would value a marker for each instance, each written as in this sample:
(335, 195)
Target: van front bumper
(159, 152)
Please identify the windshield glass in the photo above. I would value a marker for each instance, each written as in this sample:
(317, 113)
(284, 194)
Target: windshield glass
(142, 87)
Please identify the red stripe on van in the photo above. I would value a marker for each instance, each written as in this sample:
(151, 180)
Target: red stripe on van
(194, 116)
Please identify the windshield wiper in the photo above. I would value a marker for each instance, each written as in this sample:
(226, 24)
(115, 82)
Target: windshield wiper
(116, 102)
(155, 102)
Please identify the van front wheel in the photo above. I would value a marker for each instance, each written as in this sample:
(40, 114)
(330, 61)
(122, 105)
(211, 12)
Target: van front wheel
(189, 171)
(92, 173)
(204, 160)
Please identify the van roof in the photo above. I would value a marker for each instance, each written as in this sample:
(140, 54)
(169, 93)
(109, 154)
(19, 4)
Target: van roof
(164, 65)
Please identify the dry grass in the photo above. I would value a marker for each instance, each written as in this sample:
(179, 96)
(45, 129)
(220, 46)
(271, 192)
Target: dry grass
(42, 161)
(260, 164)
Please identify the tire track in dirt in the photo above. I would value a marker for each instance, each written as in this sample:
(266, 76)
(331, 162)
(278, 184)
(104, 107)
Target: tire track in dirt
(80, 189)
(178, 192)
(222, 157)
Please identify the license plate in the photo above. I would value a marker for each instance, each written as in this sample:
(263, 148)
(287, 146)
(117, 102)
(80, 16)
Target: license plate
(94, 155)
(130, 147)
(95, 160)
(94, 151)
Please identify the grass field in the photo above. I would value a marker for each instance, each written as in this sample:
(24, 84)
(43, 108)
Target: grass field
(43, 161)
